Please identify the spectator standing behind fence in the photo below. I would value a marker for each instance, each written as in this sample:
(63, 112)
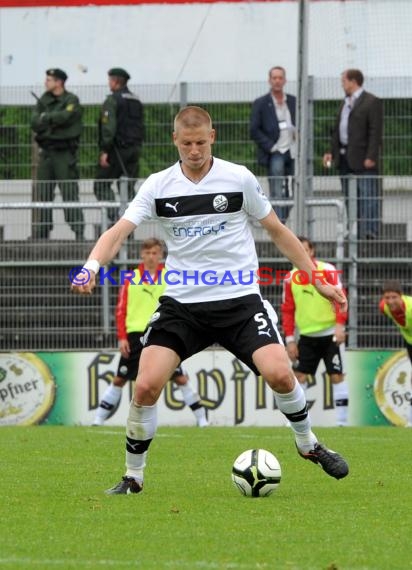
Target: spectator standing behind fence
(272, 127)
(321, 329)
(138, 299)
(398, 307)
(121, 132)
(356, 147)
(57, 123)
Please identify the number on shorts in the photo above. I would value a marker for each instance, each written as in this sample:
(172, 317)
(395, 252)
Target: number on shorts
(262, 322)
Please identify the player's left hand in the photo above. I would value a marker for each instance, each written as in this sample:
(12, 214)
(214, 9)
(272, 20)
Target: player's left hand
(340, 334)
(334, 294)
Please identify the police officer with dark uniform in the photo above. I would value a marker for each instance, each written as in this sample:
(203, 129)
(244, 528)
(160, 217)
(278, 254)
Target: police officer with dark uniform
(121, 131)
(57, 123)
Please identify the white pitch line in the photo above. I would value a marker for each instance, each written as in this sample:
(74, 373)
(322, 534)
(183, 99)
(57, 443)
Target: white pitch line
(99, 430)
(203, 564)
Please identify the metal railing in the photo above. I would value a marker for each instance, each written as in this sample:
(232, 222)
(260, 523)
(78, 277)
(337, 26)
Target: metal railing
(39, 312)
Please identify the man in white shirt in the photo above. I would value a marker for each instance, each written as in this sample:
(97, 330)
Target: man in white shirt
(204, 205)
(272, 127)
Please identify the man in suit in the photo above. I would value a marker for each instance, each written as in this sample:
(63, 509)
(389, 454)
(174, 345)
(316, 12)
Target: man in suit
(355, 149)
(272, 127)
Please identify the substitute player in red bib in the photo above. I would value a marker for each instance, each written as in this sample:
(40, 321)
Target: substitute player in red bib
(204, 205)
(138, 299)
(321, 328)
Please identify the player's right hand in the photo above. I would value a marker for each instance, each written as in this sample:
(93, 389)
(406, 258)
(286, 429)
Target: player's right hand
(124, 348)
(83, 282)
(292, 350)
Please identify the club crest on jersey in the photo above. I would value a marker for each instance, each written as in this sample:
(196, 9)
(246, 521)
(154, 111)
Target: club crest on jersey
(220, 203)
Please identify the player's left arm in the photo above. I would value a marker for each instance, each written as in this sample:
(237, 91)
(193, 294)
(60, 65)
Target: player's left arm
(332, 276)
(288, 244)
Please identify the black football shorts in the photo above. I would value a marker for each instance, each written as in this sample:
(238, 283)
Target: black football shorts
(314, 349)
(241, 325)
(128, 367)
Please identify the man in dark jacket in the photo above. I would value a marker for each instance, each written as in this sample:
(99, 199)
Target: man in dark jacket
(57, 123)
(272, 127)
(355, 149)
(121, 132)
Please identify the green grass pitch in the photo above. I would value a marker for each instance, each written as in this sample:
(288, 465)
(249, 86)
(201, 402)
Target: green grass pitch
(55, 515)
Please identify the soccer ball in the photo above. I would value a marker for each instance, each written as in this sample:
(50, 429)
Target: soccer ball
(256, 473)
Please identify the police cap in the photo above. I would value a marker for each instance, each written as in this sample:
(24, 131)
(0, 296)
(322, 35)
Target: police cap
(118, 72)
(57, 73)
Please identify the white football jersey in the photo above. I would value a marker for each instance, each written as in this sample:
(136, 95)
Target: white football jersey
(211, 250)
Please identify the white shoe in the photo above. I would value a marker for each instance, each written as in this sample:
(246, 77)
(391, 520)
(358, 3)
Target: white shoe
(202, 422)
(408, 424)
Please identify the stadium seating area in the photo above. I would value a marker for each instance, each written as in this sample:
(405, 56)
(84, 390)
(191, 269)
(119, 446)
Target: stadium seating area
(40, 313)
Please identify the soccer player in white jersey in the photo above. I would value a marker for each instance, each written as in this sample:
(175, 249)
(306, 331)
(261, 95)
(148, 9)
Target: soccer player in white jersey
(204, 205)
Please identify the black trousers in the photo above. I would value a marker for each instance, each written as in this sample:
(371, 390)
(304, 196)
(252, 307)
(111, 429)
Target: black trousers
(122, 162)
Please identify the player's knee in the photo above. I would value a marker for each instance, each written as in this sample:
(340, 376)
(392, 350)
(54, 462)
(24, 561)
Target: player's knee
(146, 392)
(280, 378)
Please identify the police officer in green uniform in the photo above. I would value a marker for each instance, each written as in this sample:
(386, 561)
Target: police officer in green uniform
(57, 122)
(121, 131)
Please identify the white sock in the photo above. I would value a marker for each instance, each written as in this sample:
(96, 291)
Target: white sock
(341, 399)
(140, 430)
(201, 418)
(191, 399)
(410, 414)
(110, 399)
(189, 395)
(293, 405)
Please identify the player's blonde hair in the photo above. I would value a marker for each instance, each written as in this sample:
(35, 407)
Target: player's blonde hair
(192, 117)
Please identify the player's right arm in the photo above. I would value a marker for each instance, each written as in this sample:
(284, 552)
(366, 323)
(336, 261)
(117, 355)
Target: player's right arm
(121, 314)
(106, 248)
(288, 320)
(142, 208)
